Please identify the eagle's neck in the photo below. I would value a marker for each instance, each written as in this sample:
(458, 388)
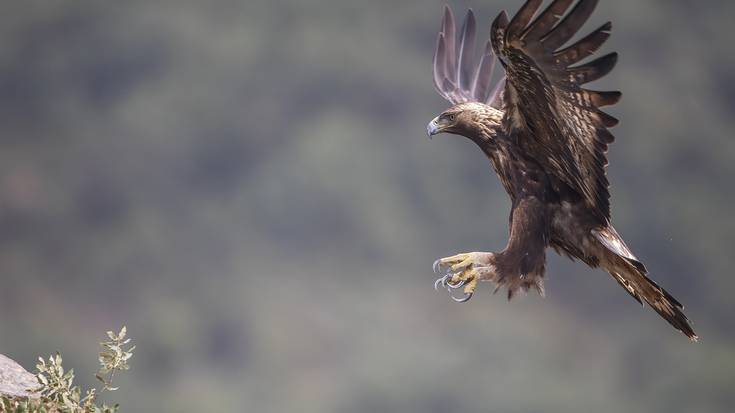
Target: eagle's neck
(492, 139)
(488, 127)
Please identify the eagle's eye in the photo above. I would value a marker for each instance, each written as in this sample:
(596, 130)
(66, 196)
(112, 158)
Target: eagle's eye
(451, 117)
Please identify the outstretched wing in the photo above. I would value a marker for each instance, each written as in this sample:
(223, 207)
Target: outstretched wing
(548, 113)
(456, 76)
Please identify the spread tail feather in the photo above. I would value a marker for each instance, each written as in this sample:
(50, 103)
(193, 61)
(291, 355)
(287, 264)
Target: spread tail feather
(631, 274)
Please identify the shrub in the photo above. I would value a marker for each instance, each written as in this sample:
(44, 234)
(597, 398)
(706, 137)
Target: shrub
(56, 391)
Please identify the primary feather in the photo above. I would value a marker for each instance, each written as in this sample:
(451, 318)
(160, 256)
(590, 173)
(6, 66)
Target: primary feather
(456, 77)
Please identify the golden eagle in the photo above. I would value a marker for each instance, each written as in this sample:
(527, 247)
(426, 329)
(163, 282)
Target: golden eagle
(546, 138)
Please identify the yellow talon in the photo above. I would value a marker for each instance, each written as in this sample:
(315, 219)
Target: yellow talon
(461, 271)
(470, 287)
(466, 263)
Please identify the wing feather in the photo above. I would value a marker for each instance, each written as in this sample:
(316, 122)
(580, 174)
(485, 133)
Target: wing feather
(585, 47)
(523, 17)
(589, 72)
(439, 57)
(466, 57)
(547, 19)
(607, 120)
(484, 73)
(548, 113)
(456, 76)
(450, 57)
(495, 99)
(570, 24)
(603, 98)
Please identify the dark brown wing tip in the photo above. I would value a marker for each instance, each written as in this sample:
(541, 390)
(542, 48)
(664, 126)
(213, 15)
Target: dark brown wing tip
(570, 24)
(584, 47)
(497, 32)
(594, 70)
(501, 21)
(546, 20)
(523, 17)
(607, 98)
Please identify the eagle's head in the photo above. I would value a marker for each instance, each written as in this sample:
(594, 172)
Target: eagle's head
(474, 120)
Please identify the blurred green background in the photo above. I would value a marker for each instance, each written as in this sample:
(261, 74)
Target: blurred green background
(248, 186)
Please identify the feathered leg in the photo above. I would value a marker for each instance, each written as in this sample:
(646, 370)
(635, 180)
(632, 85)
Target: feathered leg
(520, 266)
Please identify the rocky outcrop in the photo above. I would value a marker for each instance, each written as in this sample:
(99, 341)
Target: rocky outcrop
(15, 381)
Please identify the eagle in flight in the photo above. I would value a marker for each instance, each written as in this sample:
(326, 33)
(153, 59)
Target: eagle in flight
(546, 138)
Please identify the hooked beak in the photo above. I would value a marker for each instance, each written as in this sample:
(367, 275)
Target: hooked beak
(433, 127)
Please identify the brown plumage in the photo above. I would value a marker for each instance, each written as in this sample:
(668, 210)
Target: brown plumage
(546, 137)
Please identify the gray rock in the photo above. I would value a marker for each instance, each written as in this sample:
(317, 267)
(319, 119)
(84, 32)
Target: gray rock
(15, 380)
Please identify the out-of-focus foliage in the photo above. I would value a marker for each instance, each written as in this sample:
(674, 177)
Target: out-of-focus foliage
(56, 390)
(249, 185)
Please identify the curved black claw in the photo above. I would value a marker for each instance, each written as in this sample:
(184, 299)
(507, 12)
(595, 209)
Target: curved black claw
(463, 299)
